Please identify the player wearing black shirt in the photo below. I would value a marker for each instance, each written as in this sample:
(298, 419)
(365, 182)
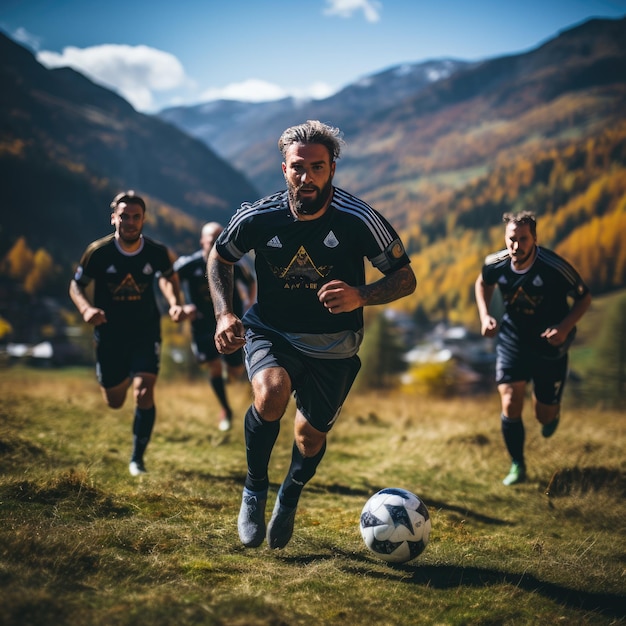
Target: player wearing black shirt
(536, 330)
(304, 332)
(191, 271)
(123, 267)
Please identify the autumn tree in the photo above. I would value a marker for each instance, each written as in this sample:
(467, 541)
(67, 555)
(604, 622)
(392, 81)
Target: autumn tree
(18, 261)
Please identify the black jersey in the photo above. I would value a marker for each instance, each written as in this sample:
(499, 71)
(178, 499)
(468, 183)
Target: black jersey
(192, 273)
(535, 298)
(124, 282)
(293, 259)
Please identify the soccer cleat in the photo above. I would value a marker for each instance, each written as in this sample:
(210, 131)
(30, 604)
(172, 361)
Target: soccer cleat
(251, 520)
(137, 468)
(280, 527)
(517, 474)
(547, 430)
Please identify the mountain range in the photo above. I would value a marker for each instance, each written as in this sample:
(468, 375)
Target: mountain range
(441, 148)
(67, 146)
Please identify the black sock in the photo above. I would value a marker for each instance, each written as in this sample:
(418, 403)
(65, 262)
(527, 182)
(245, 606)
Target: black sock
(260, 439)
(217, 383)
(301, 470)
(513, 433)
(142, 430)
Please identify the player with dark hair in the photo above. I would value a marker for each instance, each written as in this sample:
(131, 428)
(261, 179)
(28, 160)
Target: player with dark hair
(124, 313)
(191, 271)
(303, 333)
(536, 331)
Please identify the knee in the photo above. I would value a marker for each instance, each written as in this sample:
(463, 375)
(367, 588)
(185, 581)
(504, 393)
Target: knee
(309, 445)
(271, 396)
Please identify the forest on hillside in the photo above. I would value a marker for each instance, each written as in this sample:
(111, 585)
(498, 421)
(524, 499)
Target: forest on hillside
(577, 191)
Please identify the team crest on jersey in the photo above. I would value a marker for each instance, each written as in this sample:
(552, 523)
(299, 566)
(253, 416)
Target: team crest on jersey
(331, 241)
(147, 269)
(524, 303)
(397, 250)
(302, 272)
(127, 290)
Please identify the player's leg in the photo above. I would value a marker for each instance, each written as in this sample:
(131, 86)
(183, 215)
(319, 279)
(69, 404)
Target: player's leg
(512, 374)
(113, 364)
(144, 419)
(116, 396)
(267, 360)
(319, 396)
(272, 389)
(145, 368)
(234, 364)
(549, 383)
(205, 352)
(512, 427)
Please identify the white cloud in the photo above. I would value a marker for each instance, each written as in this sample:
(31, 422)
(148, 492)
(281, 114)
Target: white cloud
(135, 72)
(254, 90)
(21, 35)
(346, 8)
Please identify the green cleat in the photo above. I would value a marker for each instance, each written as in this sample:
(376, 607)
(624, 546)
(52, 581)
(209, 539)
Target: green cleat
(517, 474)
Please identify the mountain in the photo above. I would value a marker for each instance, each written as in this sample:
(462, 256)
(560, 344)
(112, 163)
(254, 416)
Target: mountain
(246, 133)
(67, 146)
(415, 126)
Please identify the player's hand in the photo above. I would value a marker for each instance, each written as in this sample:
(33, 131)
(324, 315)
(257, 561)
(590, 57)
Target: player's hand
(177, 313)
(339, 297)
(488, 326)
(554, 336)
(94, 316)
(190, 311)
(229, 333)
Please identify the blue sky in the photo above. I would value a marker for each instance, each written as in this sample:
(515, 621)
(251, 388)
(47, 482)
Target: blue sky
(159, 53)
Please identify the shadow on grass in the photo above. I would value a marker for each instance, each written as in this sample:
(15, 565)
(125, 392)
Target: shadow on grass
(451, 577)
(365, 492)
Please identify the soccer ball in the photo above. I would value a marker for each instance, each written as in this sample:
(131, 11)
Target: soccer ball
(395, 525)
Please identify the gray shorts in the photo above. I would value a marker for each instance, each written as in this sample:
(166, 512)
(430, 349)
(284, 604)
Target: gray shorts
(320, 386)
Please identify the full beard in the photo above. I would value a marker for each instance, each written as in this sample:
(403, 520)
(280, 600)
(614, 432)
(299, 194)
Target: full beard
(306, 206)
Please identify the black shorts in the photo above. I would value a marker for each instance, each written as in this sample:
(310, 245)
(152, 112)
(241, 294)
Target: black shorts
(320, 386)
(119, 357)
(515, 363)
(203, 348)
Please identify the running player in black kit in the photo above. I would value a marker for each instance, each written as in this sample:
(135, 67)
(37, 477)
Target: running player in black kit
(536, 331)
(125, 315)
(304, 332)
(191, 271)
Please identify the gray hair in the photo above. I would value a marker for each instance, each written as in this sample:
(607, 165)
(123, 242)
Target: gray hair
(313, 131)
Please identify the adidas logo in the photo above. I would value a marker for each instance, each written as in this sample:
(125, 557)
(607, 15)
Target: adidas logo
(502, 280)
(537, 282)
(147, 269)
(274, 242)
(111, 269)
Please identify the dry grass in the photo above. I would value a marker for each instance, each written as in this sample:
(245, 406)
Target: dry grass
(81, 542)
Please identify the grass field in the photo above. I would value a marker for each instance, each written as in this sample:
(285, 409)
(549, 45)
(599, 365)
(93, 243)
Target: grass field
(82, 542)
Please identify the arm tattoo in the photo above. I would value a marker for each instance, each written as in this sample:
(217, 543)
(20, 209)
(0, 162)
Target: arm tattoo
(221, 284)
(389, 288)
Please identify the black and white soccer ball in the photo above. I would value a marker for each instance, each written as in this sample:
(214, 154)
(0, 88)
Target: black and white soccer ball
(395, 525)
